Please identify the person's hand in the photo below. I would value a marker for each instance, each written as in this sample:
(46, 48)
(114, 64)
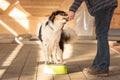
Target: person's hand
(71, 15)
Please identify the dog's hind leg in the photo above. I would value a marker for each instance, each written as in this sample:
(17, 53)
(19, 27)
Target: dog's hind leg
(60, 55)
(61, 49)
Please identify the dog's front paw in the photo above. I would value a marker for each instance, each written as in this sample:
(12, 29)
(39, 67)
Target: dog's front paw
(47, 62)
(55, 61)
(58, 62)
(61, 61)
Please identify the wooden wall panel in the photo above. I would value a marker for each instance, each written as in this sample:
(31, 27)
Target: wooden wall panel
(115, 23)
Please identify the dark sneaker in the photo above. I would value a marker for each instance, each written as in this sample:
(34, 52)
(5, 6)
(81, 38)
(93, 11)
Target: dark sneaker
(97, 71)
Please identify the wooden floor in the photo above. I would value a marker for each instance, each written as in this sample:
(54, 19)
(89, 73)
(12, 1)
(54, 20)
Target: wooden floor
(25, 62)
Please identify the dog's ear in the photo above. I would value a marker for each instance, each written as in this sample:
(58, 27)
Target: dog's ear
(52, 16)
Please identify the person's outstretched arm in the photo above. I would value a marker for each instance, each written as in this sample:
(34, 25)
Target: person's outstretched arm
(73, 8)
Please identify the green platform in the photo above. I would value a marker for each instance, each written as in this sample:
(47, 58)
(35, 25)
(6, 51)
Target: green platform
(55, 69)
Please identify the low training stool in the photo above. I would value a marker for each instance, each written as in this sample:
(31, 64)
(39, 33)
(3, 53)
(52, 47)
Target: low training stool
(55, 69)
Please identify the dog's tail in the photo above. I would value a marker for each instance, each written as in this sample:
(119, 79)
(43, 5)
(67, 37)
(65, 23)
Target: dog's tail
(69, 35)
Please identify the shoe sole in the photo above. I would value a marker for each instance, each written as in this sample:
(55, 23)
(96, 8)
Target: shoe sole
(102, 75)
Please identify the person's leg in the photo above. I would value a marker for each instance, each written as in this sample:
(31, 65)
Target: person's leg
(102, 21)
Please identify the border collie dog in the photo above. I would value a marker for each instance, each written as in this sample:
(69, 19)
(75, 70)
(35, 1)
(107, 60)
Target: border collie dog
(52, 36)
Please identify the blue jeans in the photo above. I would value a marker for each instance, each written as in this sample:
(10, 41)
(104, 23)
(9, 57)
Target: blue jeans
(102, 22)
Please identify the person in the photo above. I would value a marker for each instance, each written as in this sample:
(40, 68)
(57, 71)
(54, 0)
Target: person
(102, 10)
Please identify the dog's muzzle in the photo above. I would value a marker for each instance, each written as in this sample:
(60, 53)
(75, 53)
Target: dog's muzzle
(66, 19)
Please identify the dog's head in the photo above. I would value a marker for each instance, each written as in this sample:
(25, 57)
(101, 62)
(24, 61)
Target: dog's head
(59, 16)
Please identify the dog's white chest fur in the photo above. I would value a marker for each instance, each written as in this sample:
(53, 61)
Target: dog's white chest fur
(51, 34)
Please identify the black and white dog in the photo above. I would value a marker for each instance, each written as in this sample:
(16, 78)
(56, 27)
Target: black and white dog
(53, 35)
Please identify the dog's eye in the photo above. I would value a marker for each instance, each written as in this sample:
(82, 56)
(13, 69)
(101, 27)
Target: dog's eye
(64, 18)
(64, 14)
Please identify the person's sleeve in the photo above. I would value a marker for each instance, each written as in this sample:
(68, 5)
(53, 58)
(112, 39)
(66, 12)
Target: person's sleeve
(76, 4)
